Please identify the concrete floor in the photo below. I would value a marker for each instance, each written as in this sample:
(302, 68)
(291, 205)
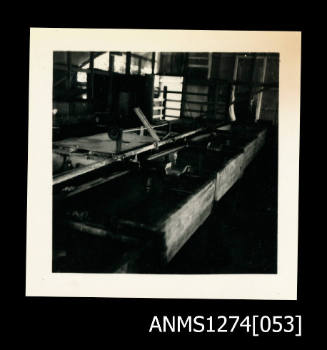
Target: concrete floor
(240, 235)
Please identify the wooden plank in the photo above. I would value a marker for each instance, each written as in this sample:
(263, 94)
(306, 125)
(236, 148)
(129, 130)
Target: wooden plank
(259, 101)
(198, 66)
(57, 179)
(182, 211)
(146, 123)
(153, 61)
(89, 185)
(180, 226)
(69, 67)
(235, 167)
(229, 175)
(102, 143)
(128, 63)
(164, 103)
(232, 97)
(186, 93)
(162, 215)
(209, 65)
(92, 74)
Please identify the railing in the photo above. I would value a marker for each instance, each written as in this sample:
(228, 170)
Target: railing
(165, 92)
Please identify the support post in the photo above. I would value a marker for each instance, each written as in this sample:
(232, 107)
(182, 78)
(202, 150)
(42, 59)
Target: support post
(164, 102)
(146, 123)
(69, 70)
(92, 74)
(258, 109)
(232, 97)
(153, 61)
(128, 63)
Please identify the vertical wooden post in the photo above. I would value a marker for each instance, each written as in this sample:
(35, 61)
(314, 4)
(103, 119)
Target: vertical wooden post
(215, 99)
(92, 74)
(232, 97)
(164, 102)
(218, 60)
(111, 77)
(140, 66)
(153, 61)
(69, 81)
(128, 63)
(184, 87)
(69, 70)
(263, 75)
(252, 87)
(111, 62)
(209, 64)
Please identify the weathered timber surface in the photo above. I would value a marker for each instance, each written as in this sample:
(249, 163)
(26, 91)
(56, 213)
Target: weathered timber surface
(251, 149)
(102, 143)
(235, 166)
(167, 210)
(180, 226)
(228, 175)
(163, 212)
(174, 216)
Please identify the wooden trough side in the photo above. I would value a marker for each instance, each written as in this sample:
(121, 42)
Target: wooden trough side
(228, 175)
(180, 226)
(160, 213)
(235, 167)
(178, 223)
(170, 234)
(253, 147)
(161, 218)
(249, 152)
(261, 138)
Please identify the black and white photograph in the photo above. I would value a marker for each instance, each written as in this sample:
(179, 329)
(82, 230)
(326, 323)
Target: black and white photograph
(164, 161)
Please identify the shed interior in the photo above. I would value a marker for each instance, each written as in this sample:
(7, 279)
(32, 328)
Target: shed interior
(165, 162)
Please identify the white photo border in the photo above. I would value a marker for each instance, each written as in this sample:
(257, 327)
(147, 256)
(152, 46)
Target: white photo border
(41, 281)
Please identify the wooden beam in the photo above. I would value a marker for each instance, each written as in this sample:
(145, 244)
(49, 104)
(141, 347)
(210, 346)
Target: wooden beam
(92, 74)
(111, 62)
(153, 61)
(209, 64)
(259, 101)
(69, 69)
(186, 93)
(146, 123)
(98, 231)
(232, 96)
(141, 57)
(77, 69)
(164, 102)
(140, 66)
(128, 63)
(91, 184)
(68, 175)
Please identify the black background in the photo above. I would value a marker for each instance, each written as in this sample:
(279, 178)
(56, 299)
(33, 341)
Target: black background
(51, 321)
